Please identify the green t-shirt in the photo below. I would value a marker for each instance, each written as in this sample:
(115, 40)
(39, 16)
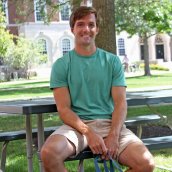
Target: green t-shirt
(89, 80)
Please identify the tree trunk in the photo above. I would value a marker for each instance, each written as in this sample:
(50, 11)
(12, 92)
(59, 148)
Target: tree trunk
(171, 45)
(146, 57)
(106, 38)
(75, 4)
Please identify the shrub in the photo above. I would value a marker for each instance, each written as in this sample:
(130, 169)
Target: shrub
(155, 67)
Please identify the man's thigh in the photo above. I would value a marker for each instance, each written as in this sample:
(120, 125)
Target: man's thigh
(75, 138)
(59, 145)
(135, 154)
(127, 137)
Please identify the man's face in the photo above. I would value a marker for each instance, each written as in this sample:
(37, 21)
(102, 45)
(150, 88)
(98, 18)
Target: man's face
(85, 30)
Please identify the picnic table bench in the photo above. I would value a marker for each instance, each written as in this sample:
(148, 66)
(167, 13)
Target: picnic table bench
(39, 107)
(138, 121)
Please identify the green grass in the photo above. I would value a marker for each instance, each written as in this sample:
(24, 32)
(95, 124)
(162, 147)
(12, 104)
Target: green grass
(26, 89)
(16, 155)
(24, 84)
(25, 93)
(40, 88)
(15, 122)
(144, 81)
(164, 156)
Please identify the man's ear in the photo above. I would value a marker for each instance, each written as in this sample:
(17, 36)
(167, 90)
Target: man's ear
(71, 30)
(97, 30)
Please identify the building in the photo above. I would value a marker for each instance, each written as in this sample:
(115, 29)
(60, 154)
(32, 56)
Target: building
(57, 39)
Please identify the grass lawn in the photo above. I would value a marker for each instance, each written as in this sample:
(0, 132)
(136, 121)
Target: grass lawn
(16, 155)
(144, 81)
(37, 88)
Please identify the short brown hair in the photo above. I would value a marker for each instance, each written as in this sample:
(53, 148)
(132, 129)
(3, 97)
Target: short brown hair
(81, 12)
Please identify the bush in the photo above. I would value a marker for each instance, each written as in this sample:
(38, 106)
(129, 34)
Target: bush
(155, 67)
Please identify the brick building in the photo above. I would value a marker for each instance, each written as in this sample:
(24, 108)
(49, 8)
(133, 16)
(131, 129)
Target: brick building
(57, 38)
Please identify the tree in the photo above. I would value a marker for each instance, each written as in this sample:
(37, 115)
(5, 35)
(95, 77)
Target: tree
(26, 55)
(145, 18)
(106, 38)
(6, 39)
(23, 54)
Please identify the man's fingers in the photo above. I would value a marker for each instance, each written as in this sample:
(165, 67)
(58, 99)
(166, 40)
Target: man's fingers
(96, 149)
(113, 154)
(109, 154)
(99, 149)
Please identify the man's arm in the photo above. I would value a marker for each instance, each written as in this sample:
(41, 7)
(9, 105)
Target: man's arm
(63, 103)
(118, 119)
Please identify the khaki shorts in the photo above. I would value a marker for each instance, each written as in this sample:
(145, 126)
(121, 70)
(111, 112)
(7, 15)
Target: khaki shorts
(101, 127)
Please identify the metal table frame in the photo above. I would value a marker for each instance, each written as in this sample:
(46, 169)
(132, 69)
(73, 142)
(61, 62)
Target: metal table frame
(38, 107)
(28, 108)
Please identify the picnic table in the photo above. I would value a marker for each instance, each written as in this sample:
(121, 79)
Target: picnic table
(40, 106)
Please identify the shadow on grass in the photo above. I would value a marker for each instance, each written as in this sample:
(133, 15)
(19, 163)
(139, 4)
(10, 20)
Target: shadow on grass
(27, 91)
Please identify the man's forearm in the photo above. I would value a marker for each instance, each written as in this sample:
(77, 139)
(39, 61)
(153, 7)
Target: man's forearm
(71, 118)
(118, 119)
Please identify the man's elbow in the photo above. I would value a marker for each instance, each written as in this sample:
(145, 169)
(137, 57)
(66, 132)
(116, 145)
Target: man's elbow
(62, 110)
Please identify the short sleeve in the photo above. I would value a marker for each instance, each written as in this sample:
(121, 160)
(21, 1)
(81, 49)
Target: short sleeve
(58, 76)
(118, 77)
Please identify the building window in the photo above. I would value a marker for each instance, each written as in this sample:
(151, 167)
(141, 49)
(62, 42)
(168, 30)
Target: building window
(121, 47)
(64, 10)
(40, 9)
(159, 47)
(158, 39)
(142, 51)
(43, 46)
(66, 45)
(5, 8)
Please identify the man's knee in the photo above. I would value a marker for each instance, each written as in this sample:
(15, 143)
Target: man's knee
(48, 153)
(50, 150)
(138, 158)
(56, 148)
(150, 164)
(146, 165)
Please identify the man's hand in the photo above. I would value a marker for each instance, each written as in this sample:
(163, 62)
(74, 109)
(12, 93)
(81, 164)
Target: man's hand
(96, 143)
(112, 145)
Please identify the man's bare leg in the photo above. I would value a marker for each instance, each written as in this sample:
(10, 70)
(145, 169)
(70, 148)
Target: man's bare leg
(137, 157)
(53, 153)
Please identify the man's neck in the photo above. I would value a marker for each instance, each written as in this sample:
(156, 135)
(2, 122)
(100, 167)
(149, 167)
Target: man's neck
(85, 51)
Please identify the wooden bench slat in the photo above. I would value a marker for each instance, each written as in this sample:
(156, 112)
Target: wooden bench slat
(158, 142)
(143, 119)
(17, 135)
(151, 143)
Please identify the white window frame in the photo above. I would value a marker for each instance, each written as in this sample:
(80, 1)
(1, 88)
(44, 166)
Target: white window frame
(121, 47)
(62, 10)
(5, 10)
(65, 46)
(44, 43)
(37, 11)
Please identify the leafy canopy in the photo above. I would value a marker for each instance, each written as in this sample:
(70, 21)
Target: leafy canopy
(152, 16)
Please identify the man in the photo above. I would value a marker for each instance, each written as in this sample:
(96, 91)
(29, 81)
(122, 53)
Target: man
(126, 63)
(90, 93)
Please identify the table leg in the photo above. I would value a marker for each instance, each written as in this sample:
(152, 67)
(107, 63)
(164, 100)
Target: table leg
(139, 131)
(40, 139)
(29, 143)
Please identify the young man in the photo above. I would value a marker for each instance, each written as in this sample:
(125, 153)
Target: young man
(90, 93)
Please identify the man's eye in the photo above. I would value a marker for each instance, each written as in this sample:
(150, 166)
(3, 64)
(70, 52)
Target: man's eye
(80, 24)
(91, 25)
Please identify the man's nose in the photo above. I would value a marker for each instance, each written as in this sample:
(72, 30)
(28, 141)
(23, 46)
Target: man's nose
(86, 28)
